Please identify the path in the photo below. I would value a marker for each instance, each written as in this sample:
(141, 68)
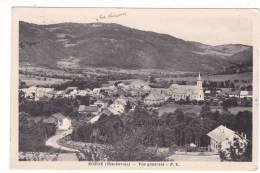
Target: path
(53, 141)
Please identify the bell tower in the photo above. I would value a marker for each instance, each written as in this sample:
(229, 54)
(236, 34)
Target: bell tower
(199, 81)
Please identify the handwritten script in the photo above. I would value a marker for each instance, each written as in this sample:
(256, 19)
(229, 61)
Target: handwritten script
(110, 15)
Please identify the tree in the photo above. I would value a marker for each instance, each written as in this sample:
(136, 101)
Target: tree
(130, 148)
(238, 151)
(127, 106)
(205, 111)
(227, 119)
(243, 123)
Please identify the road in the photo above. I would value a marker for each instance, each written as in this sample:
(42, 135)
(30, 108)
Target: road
(53, 141)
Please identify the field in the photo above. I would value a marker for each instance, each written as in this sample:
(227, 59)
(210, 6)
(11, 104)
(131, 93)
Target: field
(235, 110)
(238, 76)
(171, 107)
(31, 80)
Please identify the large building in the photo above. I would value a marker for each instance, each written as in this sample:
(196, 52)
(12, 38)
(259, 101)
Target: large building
(221, 138)
(191, 92)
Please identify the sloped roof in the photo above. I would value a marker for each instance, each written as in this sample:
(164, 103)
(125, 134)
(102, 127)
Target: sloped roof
(155, 96)
(139, 82)
(71, 88)
(247, 93)
(94, 119)
(121, 100)
(221, 133)
(233, 93)
(107, 112)
(183, 89)
(91, 108)
(50, 120)
(58, 116)
(37, 119)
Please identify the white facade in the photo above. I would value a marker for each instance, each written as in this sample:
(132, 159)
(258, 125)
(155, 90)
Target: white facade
(64, 124)
(246, 94)
(37, 93)
(118, 107)
(221, 138)
(191, 92)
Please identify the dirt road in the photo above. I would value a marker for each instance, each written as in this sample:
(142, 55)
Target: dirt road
(53, 141)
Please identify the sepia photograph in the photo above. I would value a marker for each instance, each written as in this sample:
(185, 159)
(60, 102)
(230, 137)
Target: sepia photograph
(134, 88)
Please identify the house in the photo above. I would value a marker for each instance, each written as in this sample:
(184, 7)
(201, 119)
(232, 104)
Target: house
(221, 138)
(62, 122)
(233, 94)
(43, 92)
(84, 92)
(156, 97)
(51, 94)
(88, 110)
(70, 89)
(207, 92)
(95, 119)
(119, 105)
(106, 112)
(245, 94)
(191, 92)
(29, 92)
(101, 103)
(60, 93)
(140, 84)
(38, 92)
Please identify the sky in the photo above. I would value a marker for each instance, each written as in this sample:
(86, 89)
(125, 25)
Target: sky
(208, 26)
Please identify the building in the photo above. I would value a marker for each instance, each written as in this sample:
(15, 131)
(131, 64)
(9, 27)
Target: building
(246, 94)
(191, 92)
(233, 94)
(88, 110)
(84, 92)
(61, 122)
(101, 103)
(222, 137)
(36, 93)
(157, 96)
(119, 105)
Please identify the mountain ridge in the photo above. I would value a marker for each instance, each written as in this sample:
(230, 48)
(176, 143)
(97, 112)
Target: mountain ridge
(114, 45)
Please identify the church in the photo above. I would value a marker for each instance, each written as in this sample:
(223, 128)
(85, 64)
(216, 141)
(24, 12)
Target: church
(191, 92)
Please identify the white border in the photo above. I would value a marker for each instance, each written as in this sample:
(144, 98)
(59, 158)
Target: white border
(5, 45)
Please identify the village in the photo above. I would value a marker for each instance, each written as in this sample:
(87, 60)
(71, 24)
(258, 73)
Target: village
(122, 97)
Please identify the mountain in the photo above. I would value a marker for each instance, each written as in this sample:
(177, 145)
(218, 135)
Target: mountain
(112, 45)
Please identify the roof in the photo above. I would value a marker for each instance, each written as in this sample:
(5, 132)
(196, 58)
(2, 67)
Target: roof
(58, 116)
(52, 92)
(221, 133)
(155, 96)
(199, 78)
(245, 92)
(233, 93)
(183, 89)
(121, 100)
(50, 120)
(139, 83)
(37, 119)
(100, 101)
(72, 88)
(94, 119)
(107, 112)
(91, 108)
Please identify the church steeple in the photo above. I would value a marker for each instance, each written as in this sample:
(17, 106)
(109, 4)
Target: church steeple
(199, 81)
(199, 78)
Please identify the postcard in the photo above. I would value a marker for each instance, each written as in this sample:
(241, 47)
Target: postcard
(134, 88)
